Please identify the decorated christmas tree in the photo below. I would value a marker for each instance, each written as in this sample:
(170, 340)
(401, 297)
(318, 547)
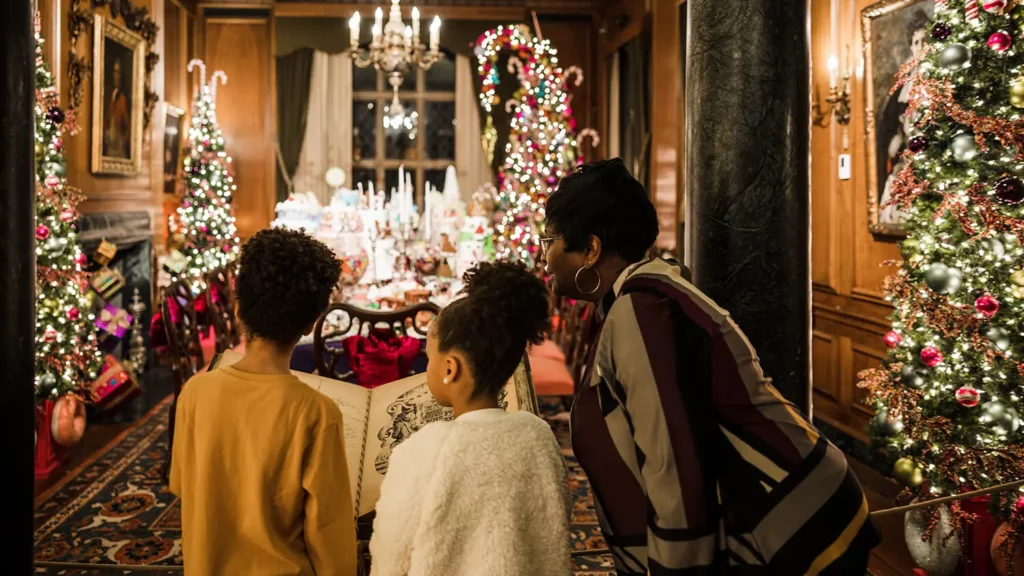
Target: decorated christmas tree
(207, 220)
(67, 354)
(543, 144)
(948, 397)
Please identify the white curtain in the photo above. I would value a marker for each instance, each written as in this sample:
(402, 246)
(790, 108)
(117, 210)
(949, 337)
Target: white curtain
(469, 149)
(328, 140)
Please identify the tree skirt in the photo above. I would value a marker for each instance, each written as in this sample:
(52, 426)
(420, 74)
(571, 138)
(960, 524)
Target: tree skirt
(114, 509)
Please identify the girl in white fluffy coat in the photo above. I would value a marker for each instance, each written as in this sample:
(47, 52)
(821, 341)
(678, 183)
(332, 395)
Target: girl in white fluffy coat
(485, 494)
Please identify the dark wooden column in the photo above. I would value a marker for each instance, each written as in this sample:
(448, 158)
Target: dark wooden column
(748, 127)
(17, 283)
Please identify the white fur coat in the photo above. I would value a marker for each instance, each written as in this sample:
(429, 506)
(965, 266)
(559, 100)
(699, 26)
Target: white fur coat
(483, 495)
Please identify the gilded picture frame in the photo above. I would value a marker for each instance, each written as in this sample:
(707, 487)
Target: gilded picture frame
(894, 31)
(173, 128)
(118, 98)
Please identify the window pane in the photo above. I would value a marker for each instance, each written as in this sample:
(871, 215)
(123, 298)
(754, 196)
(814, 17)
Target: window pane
(390, 181)
(364, 176)
(434, 178)
(364, 79)
(400, 139)
(439, 128)
(408, 82)
(364, 126)
(441, 76)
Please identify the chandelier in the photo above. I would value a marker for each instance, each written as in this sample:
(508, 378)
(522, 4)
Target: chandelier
(394, 50)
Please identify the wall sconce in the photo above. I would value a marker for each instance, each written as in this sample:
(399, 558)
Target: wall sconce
(838, 98)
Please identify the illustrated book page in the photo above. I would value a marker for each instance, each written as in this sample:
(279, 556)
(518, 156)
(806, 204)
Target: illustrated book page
(378, 420)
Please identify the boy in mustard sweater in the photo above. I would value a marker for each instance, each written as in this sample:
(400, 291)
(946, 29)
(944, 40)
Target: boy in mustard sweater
(258, 457)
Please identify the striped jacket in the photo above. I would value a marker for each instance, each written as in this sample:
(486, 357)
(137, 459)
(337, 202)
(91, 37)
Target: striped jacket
(698, 465)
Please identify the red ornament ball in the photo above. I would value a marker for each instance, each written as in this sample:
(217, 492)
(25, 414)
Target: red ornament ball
(1000, 41)
(42, 232)
(987, 305)
(73, 313)
(67, 215)
(58, 143)
(81, 259)
(941, 31)
(917, 144)
(968, 396)
(1020, 503)
(55, 115)
(931, 356)
(50, 335)
(1010, 190)
(892, 339)
(52, 181)
(993, 6)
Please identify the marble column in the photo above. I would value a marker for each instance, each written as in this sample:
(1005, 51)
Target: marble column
(17, 282)
(747, 175)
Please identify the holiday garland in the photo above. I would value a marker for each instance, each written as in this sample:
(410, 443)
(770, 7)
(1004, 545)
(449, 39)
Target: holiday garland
(543, 143)
(947, 396)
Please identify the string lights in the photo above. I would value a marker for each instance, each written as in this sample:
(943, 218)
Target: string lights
(207, 219)
(543, 142)
(67, 353)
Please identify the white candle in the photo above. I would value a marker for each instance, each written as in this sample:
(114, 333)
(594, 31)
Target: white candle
(833, 71)
(353, 29)
(378, 21)
(408, 37)
(435, 31)
(416, 24)
(401, 197)
(426, 213)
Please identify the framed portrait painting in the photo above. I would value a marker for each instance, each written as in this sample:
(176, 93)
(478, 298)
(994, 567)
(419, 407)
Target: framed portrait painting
(118, 80)
(172, 147)
(895, 33)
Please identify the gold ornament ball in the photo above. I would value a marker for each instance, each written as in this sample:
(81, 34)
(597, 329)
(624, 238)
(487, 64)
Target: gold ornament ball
(1017, 93)
(1017, 277)
(908, 472)
(40, 149)
(1018, 292)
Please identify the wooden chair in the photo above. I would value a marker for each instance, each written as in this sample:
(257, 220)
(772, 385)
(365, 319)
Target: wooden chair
(220, 308)
(178, 312)
(343, 319)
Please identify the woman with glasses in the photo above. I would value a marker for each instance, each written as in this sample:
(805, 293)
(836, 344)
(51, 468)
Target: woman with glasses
(698, 465)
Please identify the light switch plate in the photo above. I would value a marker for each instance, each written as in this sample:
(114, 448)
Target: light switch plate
(845, 172)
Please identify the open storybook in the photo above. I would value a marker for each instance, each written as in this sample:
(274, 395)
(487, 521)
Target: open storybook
(377, 420)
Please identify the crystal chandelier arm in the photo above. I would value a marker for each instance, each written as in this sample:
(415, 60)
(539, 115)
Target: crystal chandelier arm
(362, 58)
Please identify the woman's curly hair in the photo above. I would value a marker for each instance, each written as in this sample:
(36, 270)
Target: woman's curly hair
(284, 284)
(506, 307)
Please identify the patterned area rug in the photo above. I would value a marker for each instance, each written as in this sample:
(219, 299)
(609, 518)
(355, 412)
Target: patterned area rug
(114, 510)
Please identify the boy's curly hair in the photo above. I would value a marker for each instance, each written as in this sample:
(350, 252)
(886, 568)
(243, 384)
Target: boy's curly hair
(284, 284)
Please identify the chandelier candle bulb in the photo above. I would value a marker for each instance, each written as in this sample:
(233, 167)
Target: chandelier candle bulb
(408, 37)
(378, 22)
(353, 28)
(435, 33)
(416, 25)
(833, 71)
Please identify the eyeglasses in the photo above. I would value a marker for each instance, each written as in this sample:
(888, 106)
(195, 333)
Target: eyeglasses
(547, 241)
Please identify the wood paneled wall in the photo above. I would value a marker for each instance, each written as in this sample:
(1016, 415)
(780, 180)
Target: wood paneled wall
(850, 314)
(241, 44)
(107, 193)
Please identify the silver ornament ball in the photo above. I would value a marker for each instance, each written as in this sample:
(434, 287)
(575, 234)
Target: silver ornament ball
(887, 425)
(55, 245)
(998, 336)
(955, 57)
(943, 279)
(939, 556)
(912, 376)
(995, 246)
(964, 148)
(48, 380)
(1002, 418)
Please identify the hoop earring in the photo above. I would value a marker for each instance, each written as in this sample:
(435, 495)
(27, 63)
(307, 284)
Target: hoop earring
(576, 280)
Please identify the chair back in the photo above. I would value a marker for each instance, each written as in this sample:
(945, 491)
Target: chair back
(220, 308)
(178, 311)
(344, 319)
